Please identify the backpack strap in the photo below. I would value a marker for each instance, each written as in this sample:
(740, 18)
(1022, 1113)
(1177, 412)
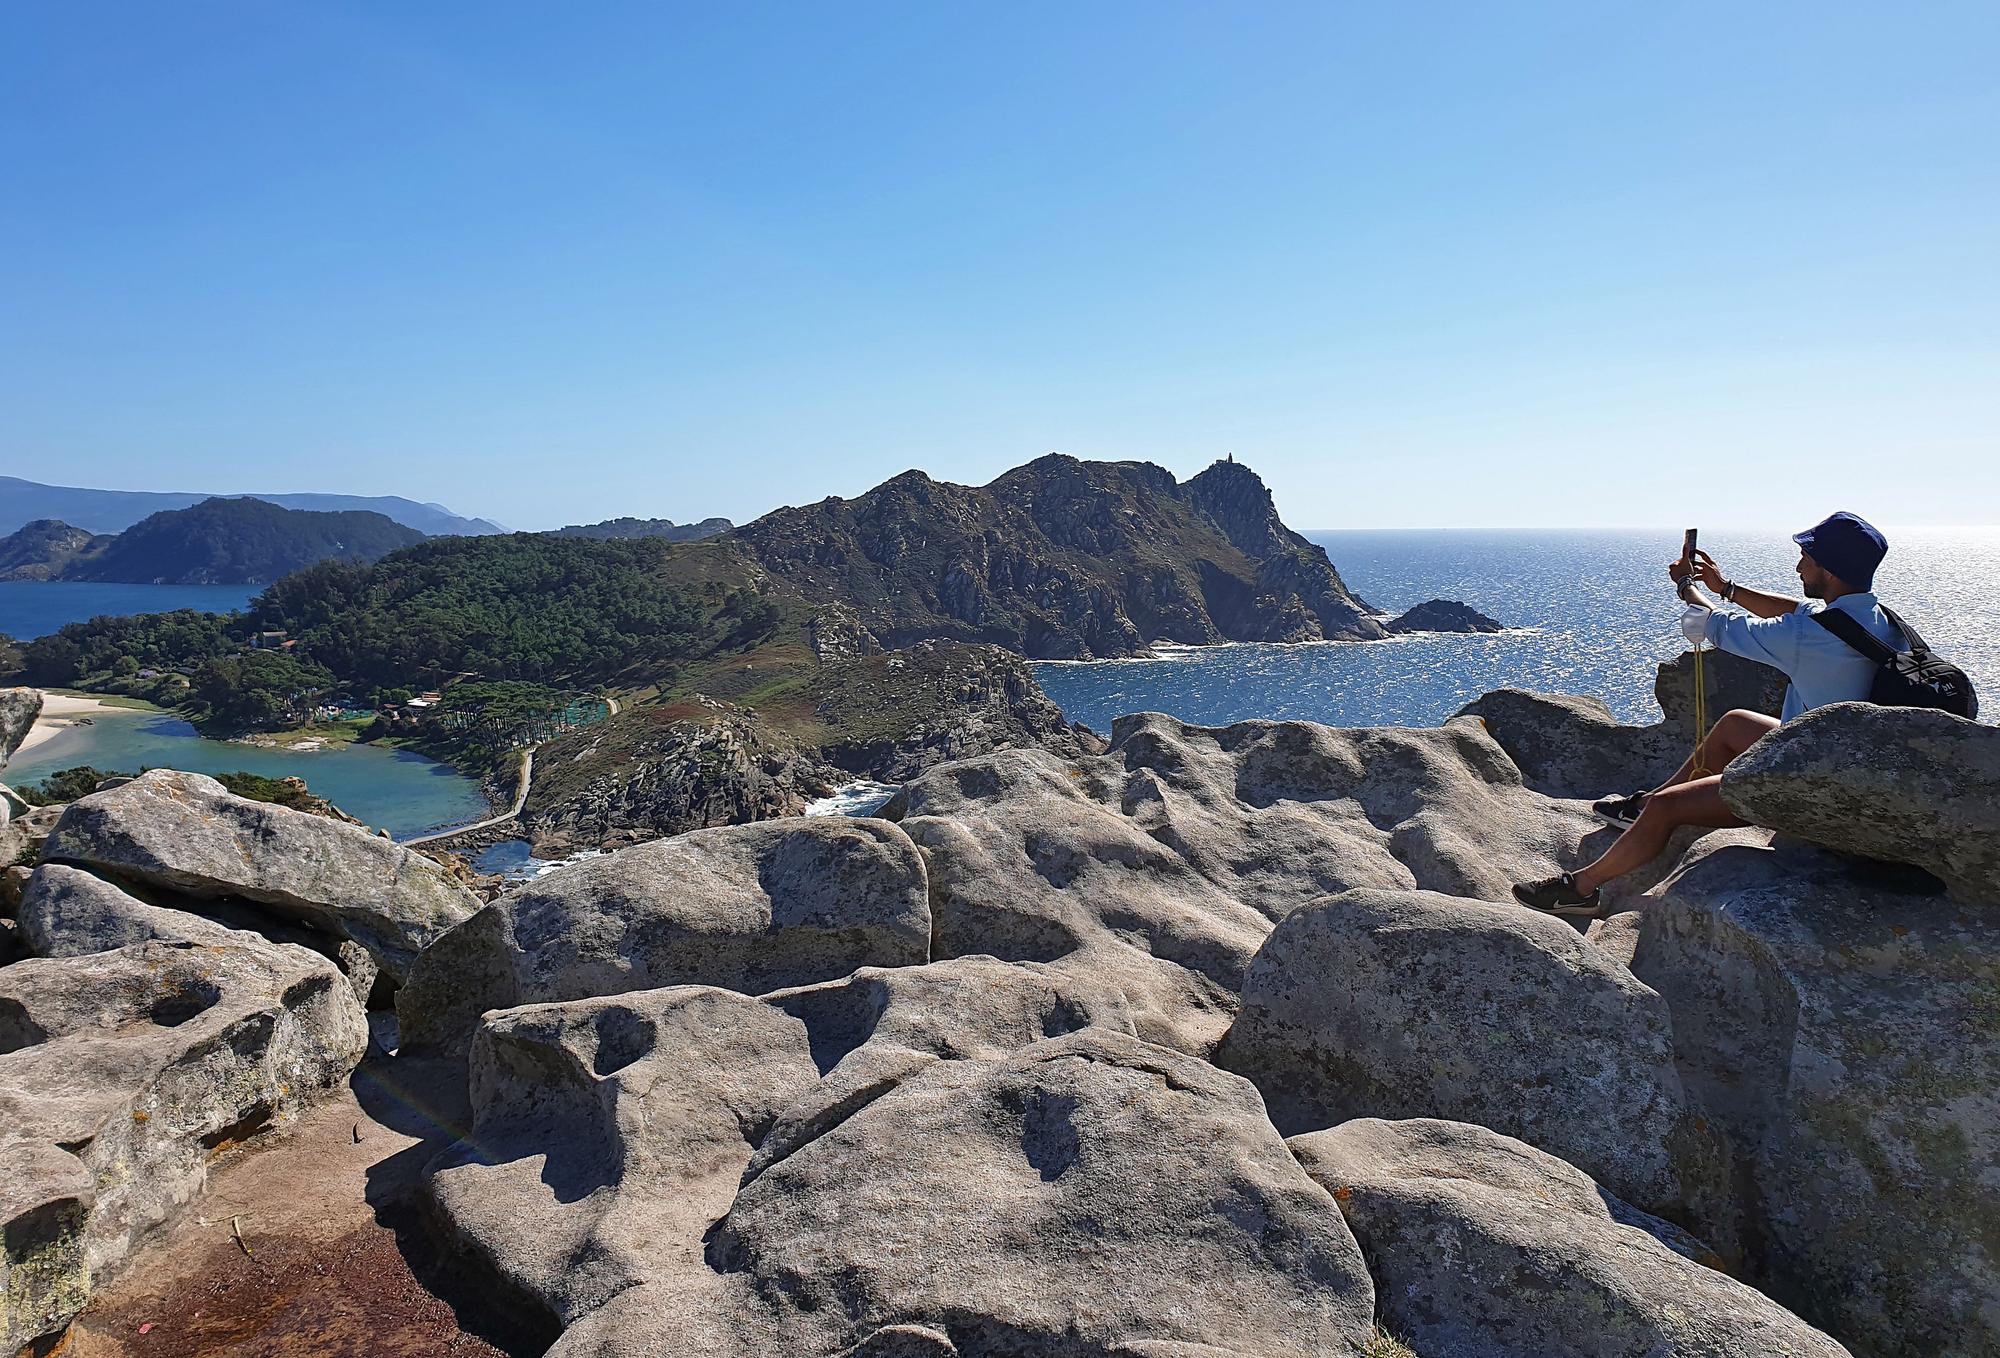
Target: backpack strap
(1849, 629)
(1917, 646)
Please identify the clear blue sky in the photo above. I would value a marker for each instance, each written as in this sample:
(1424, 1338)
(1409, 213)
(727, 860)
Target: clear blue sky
(1463, 265)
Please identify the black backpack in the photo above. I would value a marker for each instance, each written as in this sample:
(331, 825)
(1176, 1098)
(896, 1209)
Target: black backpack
(1912, 678)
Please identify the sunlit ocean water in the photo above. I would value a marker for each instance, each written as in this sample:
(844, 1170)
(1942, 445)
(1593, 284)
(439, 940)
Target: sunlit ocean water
(1596, 608)
(35, 608)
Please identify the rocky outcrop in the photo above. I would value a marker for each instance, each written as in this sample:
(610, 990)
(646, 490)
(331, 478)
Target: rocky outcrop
(746, 907)
(1061, 559)
(66, 911)
(1312, 601)
(1567, 746)
(12, 804)
(18, 709)
(664, 769)
(22, 833)
(835, 632)
(43, 549)
(1401, 1004)
(1835, 1024)
(1481, 1244)
(1899, 783)
(1442, 615)
(125, 1071)
(183, 832)
(977, 1132)
(652, 772)
(1165, 862)
(894, 715)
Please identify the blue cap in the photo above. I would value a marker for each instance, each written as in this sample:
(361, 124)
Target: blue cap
(1848, 545)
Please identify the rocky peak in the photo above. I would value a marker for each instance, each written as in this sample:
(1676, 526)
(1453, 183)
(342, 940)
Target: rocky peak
(1063, 559)
(41, 549)
(1241, 505)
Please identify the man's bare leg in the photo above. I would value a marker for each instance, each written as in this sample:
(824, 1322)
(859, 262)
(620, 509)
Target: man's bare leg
(1681, 800)
(1733, 733)
(1692, 803)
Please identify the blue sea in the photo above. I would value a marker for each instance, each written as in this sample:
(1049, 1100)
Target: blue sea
(1594, 614)
(35, 608)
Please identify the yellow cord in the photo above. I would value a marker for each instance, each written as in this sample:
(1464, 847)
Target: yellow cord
(1699, 769)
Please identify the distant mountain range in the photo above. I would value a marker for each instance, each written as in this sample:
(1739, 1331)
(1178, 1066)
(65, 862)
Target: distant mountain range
(645, 528)
(216, 542)
(113, 511)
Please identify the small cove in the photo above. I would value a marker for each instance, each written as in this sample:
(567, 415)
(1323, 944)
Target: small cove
(395, 790)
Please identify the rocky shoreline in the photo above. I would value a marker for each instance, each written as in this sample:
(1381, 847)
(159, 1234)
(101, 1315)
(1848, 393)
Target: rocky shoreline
(1208, 1040)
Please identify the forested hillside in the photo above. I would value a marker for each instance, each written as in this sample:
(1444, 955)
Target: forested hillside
(225, 542)
(523, 606)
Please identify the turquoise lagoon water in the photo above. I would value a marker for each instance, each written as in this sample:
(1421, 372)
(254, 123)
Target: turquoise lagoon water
(1595, 611)
(394, 790)
(35, 608)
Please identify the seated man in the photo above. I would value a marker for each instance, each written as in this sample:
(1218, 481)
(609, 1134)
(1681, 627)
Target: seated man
(1837, 561)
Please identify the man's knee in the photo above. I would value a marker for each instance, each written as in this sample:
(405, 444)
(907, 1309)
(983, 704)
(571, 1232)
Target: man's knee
(1693, 803)
(1741, 726)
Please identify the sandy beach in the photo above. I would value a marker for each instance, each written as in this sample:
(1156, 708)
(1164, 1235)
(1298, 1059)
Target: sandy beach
(60, 712)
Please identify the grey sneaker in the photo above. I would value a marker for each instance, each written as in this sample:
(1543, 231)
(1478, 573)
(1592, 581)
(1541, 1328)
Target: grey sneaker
(1558, 896)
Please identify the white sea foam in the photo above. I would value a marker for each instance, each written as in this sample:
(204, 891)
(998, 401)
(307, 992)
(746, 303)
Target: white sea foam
(861, 798)
(533, 869)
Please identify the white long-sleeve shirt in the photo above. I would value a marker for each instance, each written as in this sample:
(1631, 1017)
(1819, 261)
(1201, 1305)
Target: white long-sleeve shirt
(1823, 668)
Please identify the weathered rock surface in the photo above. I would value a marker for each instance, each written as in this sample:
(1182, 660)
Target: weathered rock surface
(1442, 615)
(21, 837)
(1481, 1244)
(1164, 863)
(746, 907)
(1837, 1025)
(1567, 746)
(12, 804)
(124, 1073)
(1901, 783)
(18, 709)
(699, 1187)
(184, 832)
(67, 912)
(1401, 1004)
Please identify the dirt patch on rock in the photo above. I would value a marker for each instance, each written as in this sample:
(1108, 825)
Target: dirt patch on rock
(334, 1259)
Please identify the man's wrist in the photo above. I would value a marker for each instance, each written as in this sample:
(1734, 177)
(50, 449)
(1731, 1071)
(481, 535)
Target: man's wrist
(1729, 591)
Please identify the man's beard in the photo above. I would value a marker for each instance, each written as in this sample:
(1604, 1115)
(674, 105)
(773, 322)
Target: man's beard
(1815, 588)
